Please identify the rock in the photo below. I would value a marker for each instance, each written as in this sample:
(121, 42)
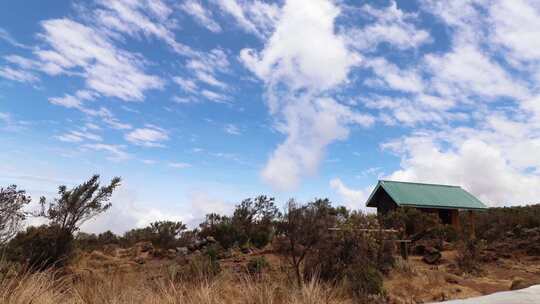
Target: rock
(211, 239)
(450, 278)
(519, 283)
(182, 251)
(145, 246)
(139, 260)
(431, 256)
(419, 249)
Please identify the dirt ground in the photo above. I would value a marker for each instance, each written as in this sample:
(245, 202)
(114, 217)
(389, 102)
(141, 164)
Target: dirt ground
(413, 281)
(424, 283)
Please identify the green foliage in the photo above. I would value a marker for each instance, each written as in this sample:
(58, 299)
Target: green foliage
(221, 228)
(12, 202)
(107, 237)
(251, 223)
(469, 250)
(495, 222)
(364, 280)
(75, 206)
(137, 235)
(86, 241)
(41, 247)
(165, 234)
(257, 265)
(410, 220)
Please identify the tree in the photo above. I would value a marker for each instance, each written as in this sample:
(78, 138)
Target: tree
(301, 228)
(75, 206)
(166, 233)
(12, 202)
(253, 220)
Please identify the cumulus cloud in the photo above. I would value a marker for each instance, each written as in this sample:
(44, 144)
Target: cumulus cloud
(297, 73)
(351, 198)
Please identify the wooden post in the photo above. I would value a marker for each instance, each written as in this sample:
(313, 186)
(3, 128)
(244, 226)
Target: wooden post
(455, 219)
(404, 250)
(471, 220)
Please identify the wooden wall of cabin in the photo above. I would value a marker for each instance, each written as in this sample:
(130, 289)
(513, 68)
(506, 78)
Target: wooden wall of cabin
(385, 203)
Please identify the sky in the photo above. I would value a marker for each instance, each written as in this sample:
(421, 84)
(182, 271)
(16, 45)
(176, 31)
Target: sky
(198, 104)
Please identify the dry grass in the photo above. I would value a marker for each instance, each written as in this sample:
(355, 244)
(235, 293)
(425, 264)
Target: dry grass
(49, 287)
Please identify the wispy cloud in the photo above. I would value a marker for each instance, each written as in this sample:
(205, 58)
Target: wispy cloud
(179, 165)
(232, 129)
(149, 136)
(201, 14)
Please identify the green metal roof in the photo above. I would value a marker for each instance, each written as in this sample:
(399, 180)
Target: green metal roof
(427, 196)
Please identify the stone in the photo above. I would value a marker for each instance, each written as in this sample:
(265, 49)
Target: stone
(182, 251)
(519, 283)
(431, 256)
(211, 239)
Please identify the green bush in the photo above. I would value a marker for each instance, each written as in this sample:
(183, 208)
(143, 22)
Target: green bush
(41, 247)
(364, 280)
(468, 256)
(257, 265)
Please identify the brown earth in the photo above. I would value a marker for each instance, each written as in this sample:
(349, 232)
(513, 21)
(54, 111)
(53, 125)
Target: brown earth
(412, 281)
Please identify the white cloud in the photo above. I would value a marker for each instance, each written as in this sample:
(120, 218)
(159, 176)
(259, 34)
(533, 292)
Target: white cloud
(390, 25)
(306, 68)
(18, 75)
(210, 79)
(202, 15)
(150, 18)
(108, 70)
(213, 96)
(78, 136)
(179, 165)
(310, 125)
(150, 136)
(187, 85)
(116, 152)
(232, 129)
(6, 36)
(351, 198)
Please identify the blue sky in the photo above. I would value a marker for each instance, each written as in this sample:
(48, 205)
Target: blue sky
(199, 104)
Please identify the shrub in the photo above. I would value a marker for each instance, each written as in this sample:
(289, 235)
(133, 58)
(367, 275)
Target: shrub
(200, 268)
(410, 220)
(257, 265)
(165, 234)
(12, 202)
(41, 247)
(468, 256)
(364, 280)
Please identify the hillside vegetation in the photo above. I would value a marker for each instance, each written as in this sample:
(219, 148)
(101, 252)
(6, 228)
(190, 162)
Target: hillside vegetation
(309, 252)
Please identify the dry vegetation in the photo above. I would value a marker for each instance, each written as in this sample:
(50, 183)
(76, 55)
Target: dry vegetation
(261, 255)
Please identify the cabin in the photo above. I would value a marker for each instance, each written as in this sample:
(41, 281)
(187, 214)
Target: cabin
(445, 200)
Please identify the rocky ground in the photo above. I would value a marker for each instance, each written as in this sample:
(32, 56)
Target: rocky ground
(510, 263)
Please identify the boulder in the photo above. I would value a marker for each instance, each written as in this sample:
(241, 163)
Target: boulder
(139, 260)
(431, 256)
(182, 251)
(145, 246)
(519, 283)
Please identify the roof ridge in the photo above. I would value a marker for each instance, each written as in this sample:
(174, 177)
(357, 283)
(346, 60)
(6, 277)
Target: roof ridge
(417, 183)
